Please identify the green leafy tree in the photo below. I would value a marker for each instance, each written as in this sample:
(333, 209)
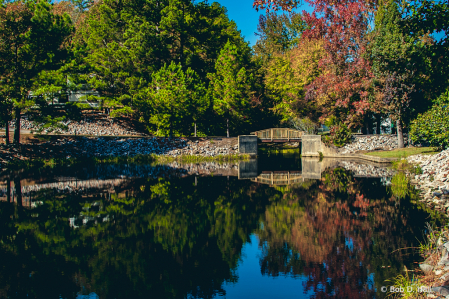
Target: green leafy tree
(424, 18)
(230, 85)
(432, 127)
(125, 42)
(32, 41)
(397, 61)
(277, 33)
(123, 48)
(177, 28)
(173, 97)
(287, 75)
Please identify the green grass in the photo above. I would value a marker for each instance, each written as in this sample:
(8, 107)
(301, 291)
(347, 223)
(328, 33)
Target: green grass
(409, 287)
(197, 159)
(137, 159)
(147, 159)
(404, 152)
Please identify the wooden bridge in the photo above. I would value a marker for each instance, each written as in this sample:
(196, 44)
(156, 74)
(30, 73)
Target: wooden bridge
(279, 135)
(279, 177)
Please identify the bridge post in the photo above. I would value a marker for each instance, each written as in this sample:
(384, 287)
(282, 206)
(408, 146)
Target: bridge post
(271, 134)
(310, 145)
(247, 144)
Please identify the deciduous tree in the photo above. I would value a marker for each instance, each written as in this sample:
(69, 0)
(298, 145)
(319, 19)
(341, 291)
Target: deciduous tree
(288, 74)
(397, 61)
(277, 34)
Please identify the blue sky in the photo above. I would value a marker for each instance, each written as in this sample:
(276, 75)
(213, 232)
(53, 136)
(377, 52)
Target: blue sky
(246, 17)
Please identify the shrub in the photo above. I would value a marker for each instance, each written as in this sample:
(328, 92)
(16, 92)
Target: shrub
(340, 134)
(432, 127)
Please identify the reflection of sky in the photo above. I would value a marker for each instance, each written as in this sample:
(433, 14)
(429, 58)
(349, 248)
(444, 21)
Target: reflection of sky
(349, 243)
(90, 296)
(252, 284)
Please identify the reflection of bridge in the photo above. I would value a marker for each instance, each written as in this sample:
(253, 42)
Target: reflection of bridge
(279, 177)
(279, 135)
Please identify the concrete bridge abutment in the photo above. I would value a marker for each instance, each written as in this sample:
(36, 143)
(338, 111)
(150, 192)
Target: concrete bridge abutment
(247, 144)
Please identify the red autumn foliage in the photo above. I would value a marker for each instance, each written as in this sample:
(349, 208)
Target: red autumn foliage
(344, 84)
(342, 88)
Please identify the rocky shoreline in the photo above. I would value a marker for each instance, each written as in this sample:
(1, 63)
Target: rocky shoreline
(98, 124)
(434, 180)
(87, 147)
(371, 143)
(433, 183)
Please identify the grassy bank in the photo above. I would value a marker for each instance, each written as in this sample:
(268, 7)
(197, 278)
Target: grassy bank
(146, 159)
(198, 159)
(404, 152)
(412, 282)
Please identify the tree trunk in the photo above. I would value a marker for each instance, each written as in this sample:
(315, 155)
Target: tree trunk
(18, 187)
(377, 124)
(7, 133)
(8, 191)
(227, 127)
(367, 128)
(195, 129)
(400, 135)
(17, 128)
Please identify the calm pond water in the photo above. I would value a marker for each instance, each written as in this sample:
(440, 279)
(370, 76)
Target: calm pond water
(142, 231)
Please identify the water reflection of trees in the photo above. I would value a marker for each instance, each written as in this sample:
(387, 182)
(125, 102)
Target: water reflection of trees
(169, 238)
(338, 233)
(165, 239)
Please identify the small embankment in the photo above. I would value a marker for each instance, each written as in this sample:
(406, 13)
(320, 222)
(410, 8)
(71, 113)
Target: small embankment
(370, 143)
(192, 149)
(374, 148)
(429, 174)
(91, 124)
(434, 180)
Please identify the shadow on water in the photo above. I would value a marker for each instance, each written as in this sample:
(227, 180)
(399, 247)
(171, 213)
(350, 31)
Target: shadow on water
(162, 231)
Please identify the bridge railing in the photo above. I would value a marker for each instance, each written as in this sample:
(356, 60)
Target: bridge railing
(279, 134)
(282, 178)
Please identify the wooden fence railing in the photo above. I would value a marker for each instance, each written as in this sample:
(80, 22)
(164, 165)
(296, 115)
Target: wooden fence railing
(278, 134)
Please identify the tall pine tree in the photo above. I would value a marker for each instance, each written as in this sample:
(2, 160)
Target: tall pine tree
(173, 98)
(32, 39)
(230, 85)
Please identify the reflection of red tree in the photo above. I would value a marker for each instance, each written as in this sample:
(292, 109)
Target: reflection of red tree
(341, 277)
(332, 233)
